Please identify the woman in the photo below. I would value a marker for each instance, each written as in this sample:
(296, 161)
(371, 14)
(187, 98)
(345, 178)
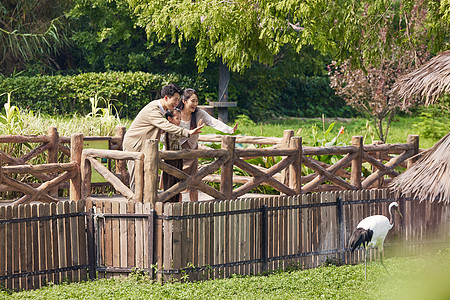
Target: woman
(191, 115)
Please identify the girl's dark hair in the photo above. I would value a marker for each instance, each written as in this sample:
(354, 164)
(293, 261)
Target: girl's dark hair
(187, 93)
(169, 112)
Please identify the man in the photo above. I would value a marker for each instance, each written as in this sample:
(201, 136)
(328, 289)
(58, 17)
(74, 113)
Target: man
(149, 123)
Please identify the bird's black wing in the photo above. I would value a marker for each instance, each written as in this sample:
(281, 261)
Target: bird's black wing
(360, 237)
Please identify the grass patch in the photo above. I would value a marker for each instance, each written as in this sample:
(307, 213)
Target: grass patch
(398, 133)
(423, 277)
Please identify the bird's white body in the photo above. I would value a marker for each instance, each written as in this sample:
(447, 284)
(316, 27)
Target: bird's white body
(379, 225)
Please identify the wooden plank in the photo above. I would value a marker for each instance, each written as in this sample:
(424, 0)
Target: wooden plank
(232, 229)
(82, 245)
(48, 242)
(54, 243)
(115, 237)
(184, 235)
(159, 247)
(252, 237)
(307, 230)
(99, 223)
(131, 243)
(146, 208)
(15, 244)
(74, 240)
(35, 245)
(201, 231)
(210, 242)
(217, 238)
(139, 223)
(108, 252)
(123, 230)
(168, 241)
(195, 241)
(226, 239)
(3, 244)
(68, 230)
(9, 246)
(23, 247)
(177, 249)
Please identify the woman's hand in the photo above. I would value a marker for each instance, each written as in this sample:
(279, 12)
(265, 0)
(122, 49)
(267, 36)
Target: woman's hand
(196, 130)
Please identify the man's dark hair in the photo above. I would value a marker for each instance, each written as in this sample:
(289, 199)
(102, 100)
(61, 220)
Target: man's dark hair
(170, 90)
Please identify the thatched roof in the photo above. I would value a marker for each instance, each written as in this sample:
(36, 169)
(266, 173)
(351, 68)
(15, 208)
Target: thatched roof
(429, 177)
(428, 82)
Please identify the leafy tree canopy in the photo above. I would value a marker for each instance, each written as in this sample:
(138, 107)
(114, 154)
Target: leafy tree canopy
(242, 31)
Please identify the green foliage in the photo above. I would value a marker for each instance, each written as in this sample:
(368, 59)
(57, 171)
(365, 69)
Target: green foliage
(434, 122)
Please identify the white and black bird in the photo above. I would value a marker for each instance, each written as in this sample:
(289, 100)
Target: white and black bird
(372, 231)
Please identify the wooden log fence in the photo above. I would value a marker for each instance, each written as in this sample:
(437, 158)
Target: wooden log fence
(285, 176)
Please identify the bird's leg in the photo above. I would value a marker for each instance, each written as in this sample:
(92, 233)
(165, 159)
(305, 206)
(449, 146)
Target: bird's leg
(381, 259)
(365, 262)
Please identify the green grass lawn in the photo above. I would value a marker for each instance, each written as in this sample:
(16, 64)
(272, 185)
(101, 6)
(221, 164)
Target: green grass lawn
(422, 277)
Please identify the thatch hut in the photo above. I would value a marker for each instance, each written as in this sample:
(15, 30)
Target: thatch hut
(429, 177)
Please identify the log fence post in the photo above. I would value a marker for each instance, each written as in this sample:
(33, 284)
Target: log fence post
(151, 152)
(53, 154)
(412, 139)
(85, 170)
(76, 150)
(121, 165)
(295, 170)
(355, 177)
(226, 177)
(379, 156)
(285, 142)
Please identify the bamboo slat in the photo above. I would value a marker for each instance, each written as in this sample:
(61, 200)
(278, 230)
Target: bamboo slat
(42, 245)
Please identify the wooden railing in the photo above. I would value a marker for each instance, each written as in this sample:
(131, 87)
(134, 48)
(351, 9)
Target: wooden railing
(52, 174)
(285, 176)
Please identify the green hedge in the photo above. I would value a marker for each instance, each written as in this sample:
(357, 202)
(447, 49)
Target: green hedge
(259, 97)
(127, 91)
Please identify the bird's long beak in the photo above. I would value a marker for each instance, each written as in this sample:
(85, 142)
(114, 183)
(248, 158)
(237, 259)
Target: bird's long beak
(398, 210)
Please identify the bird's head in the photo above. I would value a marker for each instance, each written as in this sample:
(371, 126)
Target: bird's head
(394, 205)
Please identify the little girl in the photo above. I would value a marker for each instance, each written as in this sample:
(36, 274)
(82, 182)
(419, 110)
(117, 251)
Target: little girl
(172, 142)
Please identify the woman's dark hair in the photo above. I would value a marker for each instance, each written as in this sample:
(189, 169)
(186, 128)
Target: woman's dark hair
(187, 93)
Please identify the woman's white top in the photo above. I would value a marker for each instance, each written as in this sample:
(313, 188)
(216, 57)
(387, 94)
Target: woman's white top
(207, 120)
